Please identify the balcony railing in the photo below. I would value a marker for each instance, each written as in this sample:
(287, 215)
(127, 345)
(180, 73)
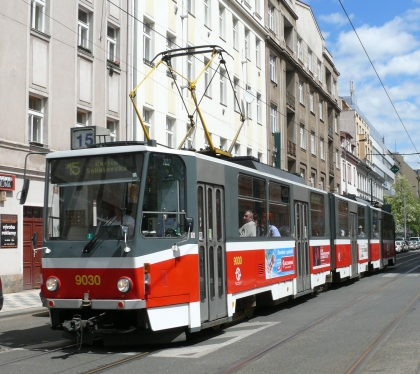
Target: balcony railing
(291, 148)
(290, 100)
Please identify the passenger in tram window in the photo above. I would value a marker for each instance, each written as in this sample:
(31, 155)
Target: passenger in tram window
(248, 228)
(119, 219)
(342, 233)
(260, 230)
(272, 230)
(375, 231)
(361, 234)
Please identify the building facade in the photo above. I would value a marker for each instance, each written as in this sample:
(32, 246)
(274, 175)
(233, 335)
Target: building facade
(66, 67)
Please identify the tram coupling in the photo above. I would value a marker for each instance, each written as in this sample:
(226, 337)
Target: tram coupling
(77, 324)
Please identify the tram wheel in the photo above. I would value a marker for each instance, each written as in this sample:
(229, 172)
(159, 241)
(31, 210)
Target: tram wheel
(249, 311)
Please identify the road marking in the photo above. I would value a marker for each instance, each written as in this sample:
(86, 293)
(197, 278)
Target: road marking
(233, 335)
(413, 275)
(389, 275)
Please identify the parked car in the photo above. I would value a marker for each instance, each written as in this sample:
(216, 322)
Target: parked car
(1, 294)
(415, 239)
(413, 245)
(400, 246)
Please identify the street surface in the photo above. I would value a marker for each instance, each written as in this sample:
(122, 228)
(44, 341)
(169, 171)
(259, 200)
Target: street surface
(364, 326)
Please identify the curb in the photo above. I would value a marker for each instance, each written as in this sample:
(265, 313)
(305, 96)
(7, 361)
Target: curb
(23, 311)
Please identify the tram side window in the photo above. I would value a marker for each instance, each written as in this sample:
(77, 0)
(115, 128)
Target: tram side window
(389, 228)
(375, 224)
(251, 204)
(317, 214)
(343, 219)
(164, 197)
(361, 222)
(279, 211)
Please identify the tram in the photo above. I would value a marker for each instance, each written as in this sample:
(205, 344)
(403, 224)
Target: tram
(145, 244)
(147, 239)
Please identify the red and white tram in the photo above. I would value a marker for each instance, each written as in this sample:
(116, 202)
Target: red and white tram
(142, 240)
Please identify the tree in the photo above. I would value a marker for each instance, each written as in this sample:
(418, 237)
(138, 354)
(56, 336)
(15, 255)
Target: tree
(404, 205)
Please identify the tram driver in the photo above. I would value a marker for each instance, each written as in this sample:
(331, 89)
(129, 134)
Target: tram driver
(248, 228)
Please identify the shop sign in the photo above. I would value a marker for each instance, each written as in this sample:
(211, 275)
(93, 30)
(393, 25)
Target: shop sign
(7, 182)
(8, 233)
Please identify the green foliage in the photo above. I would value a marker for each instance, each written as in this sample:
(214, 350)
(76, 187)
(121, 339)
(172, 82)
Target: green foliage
(403, 201)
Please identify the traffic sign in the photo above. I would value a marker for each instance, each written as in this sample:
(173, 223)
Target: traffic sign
(395, 169)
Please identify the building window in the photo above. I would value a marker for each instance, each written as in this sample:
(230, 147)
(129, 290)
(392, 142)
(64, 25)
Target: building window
(82, 119)
(273, 118)
(207, 11)
(302, 137)
(190, 67)
(318, 68)
(301, 96)
(83, 29)
(170, 132)
(112, 126)
(223, 144)
(335, 124)
(190, 6)
(236, 94)
(321, 149)
(249, 151)
(221, 22)
(235, 33)
(321, 112)
(312, 179)
(207, 79)
(273, 68)
(147, 42)
(337, 158)
(38, 15)
(247, 44)
(271, 18)
(257, 53)
(222, 86)
(259, 109)
(311, 101)
(249, 105)
(299, 49)
(147, 119)
(112, 44)
(171, 44)
(309, 60)
(36, 120)
(313, 147)
(236, 149)
(189, 144)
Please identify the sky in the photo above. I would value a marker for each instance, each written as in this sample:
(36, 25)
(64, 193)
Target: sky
(390, 33)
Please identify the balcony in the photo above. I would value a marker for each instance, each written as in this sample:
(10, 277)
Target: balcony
(290, 100)
(330, 132)
(291, 148)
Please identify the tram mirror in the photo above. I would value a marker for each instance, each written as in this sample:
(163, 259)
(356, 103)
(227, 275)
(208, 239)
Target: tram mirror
(35, 239)
(189, 223)
(24, 192)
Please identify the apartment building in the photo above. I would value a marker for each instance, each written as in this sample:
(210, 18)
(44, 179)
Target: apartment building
(303, 94)
(234, 27)
(65, 66)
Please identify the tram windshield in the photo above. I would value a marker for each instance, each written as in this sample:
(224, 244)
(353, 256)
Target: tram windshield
(88, 196)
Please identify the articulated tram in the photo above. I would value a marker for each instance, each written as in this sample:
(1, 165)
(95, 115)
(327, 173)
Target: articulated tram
(147, 241)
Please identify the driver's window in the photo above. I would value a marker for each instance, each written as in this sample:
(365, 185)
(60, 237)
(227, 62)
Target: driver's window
(164, 197)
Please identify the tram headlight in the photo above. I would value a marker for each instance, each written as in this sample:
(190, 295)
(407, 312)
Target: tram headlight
(124, 284)
(52, 284)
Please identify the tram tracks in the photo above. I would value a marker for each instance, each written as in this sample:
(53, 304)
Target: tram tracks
(364, 357)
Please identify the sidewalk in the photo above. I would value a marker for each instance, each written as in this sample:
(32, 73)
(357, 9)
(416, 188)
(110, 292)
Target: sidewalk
(21, 303)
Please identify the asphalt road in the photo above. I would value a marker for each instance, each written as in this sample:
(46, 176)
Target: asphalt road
(368, 325)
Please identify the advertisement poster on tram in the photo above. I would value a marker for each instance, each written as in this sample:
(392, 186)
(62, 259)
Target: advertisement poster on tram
(363, 251)
(8, 223)
(320, 256)
(279, 262)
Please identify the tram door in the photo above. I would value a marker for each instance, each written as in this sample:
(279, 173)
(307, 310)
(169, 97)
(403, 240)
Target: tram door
(302, 247)
(353, 243)
(212, 252)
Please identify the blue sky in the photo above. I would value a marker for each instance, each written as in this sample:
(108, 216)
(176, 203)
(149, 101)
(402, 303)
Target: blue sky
(390, 33)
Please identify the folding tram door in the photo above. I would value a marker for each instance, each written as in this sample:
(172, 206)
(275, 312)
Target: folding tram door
(302, 247)
(212, 252)
(353, 243)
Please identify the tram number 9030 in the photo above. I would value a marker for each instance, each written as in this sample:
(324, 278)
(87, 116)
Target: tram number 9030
(87, 280)
(237, 260)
